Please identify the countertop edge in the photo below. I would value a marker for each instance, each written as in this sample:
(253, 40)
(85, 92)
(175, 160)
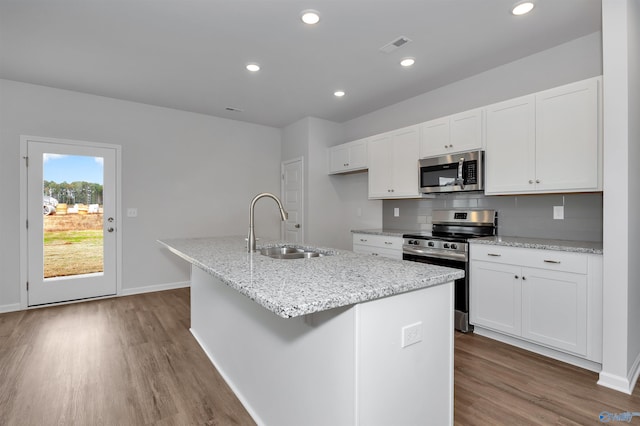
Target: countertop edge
(289, 309)
(542, 244)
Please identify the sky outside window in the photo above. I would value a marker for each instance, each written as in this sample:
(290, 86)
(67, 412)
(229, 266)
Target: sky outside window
(73, 168)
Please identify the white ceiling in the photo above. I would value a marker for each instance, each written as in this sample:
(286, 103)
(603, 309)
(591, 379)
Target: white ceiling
(191, 54)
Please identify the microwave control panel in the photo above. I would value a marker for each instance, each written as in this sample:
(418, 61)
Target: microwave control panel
(470, 172)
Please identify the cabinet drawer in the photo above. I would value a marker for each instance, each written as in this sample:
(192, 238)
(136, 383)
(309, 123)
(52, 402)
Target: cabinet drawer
(378, 251)
(381, 241)
(533, 258)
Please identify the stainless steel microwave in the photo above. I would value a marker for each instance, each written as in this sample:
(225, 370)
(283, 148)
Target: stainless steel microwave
(463, 171)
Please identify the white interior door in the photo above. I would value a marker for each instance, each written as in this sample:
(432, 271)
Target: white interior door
(71, 221)
(292, 197)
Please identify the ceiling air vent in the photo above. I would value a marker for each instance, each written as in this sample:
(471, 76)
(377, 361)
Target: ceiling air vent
(395, 44)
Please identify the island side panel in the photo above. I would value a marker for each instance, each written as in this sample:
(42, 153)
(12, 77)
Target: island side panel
(297, 371)
(411, 385)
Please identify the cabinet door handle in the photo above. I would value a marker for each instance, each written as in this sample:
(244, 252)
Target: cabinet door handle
(537, 180)
(494, 254)
(530, 180)
(552, 261)
(524, 278)
(517, 277)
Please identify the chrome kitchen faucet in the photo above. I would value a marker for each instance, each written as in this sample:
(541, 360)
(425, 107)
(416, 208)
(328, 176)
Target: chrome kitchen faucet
(251, 240)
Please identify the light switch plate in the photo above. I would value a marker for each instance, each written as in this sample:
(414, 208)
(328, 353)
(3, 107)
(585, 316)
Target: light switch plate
(558, 212)
(132, 212)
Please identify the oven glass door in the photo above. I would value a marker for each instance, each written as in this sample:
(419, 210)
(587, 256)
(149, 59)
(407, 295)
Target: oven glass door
(461, 289)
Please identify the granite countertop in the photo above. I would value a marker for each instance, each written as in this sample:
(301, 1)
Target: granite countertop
(388, 232)
(592, 247)
(291, 288)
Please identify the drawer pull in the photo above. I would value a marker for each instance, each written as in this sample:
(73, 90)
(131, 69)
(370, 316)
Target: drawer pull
(363, 240)
(494, 254)
(388, 242)
(552, 261)
(374, 254)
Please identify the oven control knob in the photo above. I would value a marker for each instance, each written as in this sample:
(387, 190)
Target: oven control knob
(430, 244)
(446, 245)
(454, 246)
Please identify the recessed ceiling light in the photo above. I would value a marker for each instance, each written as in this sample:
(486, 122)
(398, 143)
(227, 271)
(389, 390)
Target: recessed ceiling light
(407, 62)
(310, 16)
(339, 93)
(253, 67)
(522, 8)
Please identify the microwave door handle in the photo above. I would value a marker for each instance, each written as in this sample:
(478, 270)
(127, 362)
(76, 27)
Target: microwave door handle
(460, 179)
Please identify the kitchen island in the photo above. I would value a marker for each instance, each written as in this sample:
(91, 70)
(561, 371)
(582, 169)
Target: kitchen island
(341, 339)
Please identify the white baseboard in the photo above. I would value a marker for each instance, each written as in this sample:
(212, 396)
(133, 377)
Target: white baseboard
(620, 383)
(612, 381)
(126, 292)
(9, 308)
(153, 288)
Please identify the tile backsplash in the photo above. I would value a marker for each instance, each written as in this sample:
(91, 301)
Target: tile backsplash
(518, 215)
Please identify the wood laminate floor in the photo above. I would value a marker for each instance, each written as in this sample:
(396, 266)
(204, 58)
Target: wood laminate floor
(132, 361)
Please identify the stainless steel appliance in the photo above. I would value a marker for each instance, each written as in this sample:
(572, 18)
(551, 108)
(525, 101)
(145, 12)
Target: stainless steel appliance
(463, 171)
(446, 245)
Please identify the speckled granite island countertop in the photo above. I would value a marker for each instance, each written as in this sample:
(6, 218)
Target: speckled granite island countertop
(591, 247)
(296, 287)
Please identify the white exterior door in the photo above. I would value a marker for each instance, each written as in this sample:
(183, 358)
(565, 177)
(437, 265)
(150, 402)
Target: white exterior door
(292, 198)
(71, 220)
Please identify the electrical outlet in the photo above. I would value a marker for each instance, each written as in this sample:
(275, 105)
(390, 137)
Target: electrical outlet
(411, 334)
(396, 212)
(558, 212)
(132, 212)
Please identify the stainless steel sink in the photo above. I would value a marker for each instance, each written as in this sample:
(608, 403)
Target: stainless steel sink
(289, 253)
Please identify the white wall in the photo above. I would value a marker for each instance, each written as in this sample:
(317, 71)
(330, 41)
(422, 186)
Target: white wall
(571, 61)
(621, 307)
(334, 205)
(188, 174)
(633, 20)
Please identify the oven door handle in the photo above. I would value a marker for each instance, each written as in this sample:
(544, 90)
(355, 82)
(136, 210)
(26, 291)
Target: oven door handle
(434, 253)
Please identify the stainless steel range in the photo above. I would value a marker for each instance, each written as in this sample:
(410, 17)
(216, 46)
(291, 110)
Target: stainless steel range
(446, 245)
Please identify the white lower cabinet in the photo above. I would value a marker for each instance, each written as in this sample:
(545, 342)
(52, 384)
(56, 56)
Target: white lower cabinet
(378, 245)
(543, 297)
(495, 297)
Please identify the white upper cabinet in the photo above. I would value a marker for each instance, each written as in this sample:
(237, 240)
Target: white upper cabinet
(451, 134)
(510, 154)
(567, 137)
(393, 164)
(546, 142)
(348, 157)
